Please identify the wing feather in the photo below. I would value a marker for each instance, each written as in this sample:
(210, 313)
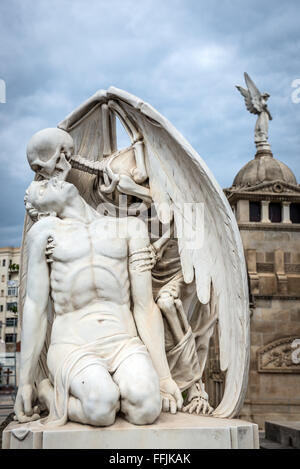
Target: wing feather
(254, 93)
(248, 100)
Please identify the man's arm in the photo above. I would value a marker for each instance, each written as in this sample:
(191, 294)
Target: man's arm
(34, 324)
(146, 313)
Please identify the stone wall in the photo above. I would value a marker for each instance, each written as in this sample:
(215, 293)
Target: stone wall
(273, 259)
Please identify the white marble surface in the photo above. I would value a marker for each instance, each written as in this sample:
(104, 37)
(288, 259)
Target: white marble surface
(90, 313)
(182, 431)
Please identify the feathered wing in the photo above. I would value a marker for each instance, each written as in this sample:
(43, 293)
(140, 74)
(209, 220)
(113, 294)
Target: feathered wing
(252, 96)
(181, 183)
(92, 128)
(254, 93)
(248, 101)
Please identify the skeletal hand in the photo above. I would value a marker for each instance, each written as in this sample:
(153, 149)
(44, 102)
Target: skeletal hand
(198, 400)
(198, 405)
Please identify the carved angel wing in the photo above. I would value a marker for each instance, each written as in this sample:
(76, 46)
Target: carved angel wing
(248, 100)
(252, 96)
(181, 184)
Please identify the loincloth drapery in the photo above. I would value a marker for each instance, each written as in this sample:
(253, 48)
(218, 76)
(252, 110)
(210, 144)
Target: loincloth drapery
(108, 352)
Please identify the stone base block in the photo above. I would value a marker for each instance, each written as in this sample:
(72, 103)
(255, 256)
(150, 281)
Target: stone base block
(286, 434)
(181, 431)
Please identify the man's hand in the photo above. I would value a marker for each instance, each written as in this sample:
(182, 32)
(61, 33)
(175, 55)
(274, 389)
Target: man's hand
(24, 410)
(171, 396)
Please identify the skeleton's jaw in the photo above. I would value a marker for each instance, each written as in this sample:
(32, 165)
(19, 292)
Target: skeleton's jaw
(60, 171)
(60, 174)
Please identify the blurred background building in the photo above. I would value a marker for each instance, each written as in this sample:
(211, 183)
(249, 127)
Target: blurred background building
(9, 322)
(265, 198)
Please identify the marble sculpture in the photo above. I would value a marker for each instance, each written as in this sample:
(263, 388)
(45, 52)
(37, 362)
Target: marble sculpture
(121, 285)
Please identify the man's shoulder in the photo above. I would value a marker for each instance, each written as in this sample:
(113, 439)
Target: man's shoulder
(42, 228)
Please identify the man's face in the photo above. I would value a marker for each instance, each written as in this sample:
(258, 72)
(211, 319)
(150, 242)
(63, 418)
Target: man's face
(52, 195)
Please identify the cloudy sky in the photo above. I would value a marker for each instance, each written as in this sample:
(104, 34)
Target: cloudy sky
(182, 56)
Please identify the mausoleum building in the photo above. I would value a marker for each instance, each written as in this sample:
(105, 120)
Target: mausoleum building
(265, 198)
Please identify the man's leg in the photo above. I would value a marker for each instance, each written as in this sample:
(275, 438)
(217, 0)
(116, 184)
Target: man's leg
(94, 398)
(139, 387)
(95, 395)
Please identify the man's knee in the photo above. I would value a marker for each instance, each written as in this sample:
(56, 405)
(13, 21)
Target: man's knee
(165, 301)
(143, 403)
(101, 407)
(146, 409)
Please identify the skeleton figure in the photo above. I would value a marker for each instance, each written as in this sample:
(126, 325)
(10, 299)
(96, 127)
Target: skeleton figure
(49, 152)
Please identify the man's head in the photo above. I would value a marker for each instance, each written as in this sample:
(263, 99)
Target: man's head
(49, 152)
(49, 197)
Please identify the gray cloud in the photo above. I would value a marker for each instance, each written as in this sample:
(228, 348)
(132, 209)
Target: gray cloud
(184, 57)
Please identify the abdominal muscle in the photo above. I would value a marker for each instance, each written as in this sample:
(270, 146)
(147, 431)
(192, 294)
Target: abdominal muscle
(96, 321)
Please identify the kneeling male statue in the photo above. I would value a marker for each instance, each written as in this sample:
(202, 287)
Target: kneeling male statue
(118, 314)
(107, 350)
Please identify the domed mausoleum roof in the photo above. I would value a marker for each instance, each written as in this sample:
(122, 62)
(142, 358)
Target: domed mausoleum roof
(264, 168)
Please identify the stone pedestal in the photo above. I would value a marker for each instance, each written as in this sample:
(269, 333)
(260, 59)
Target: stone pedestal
(181, 431)
(281, 435)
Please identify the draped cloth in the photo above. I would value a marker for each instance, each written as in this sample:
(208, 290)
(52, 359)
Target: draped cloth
(182, 356)
(183, 362)
(108, 352)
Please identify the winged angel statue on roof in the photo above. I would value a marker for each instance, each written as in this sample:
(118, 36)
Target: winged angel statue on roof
(256, 103)
(130, 260)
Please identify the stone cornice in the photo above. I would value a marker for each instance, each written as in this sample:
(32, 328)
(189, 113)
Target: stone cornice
(275, 190)
(269, 227)
(276, 297)
(272, 402)
(10, 250)
(254, 196)
(277, 186)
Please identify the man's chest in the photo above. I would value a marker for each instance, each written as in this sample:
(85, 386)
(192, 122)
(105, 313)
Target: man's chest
(78, 241)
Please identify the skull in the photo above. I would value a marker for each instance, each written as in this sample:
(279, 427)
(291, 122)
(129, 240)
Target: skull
(49, 152)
